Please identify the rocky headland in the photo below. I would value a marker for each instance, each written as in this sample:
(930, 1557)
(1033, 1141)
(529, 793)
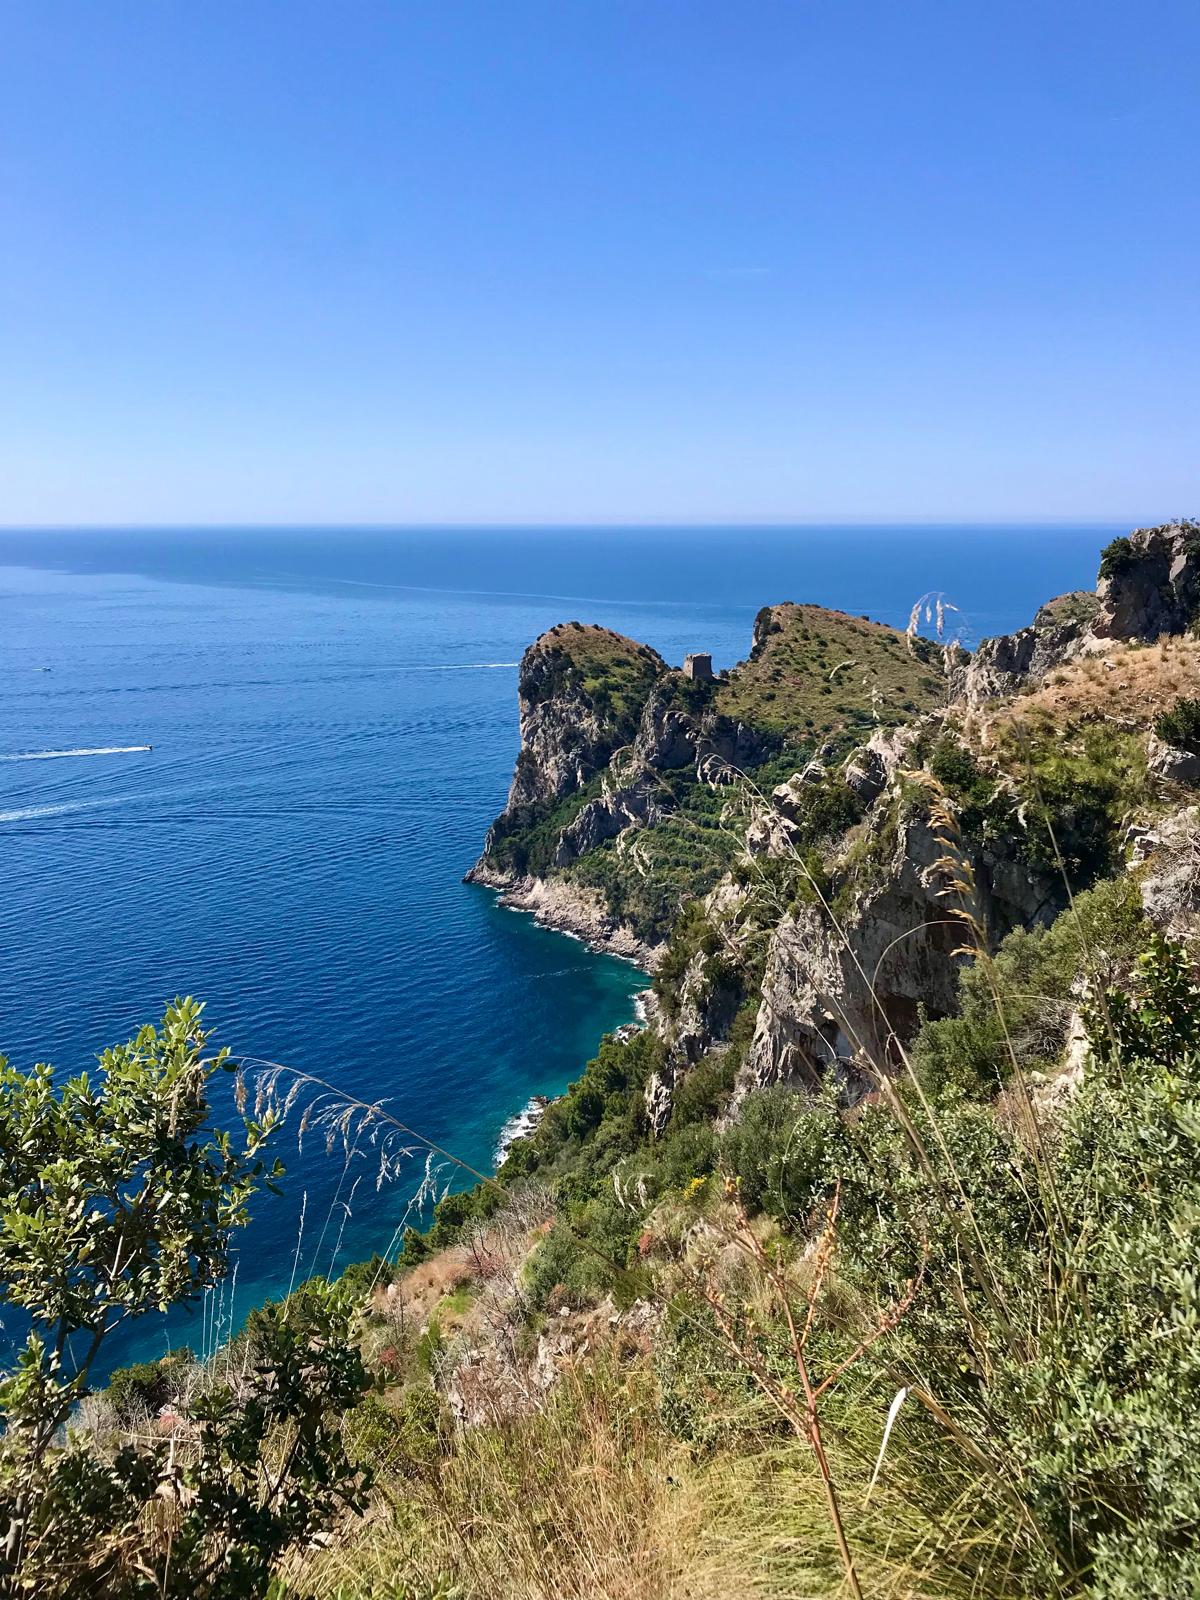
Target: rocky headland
(778, 840)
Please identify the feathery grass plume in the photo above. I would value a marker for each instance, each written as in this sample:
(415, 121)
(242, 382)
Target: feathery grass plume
(346, 1122)
(933, 605)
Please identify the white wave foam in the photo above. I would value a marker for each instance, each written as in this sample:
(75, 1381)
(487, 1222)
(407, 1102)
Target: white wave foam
(28, 813)
(66, 807)
(58, 755)
(525, 1121)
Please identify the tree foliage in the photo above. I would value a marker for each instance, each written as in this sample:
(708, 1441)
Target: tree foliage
(1180, 726)
(117, 1198)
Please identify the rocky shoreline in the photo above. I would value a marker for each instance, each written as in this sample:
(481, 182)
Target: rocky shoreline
(579, 914)
(567, 908)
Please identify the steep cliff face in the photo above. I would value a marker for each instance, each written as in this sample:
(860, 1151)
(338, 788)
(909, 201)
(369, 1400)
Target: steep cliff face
(1150, 584)
(849, 975)
(695, 1012)
(1148, 587)
(669, 737)
(581, 691)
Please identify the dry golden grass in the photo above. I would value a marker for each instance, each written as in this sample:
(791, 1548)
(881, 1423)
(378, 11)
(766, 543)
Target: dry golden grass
(415, 1296)
(1127, 685)
(593, 1499)
(588, 1499)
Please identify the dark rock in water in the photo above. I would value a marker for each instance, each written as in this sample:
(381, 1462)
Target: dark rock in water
(521, 1125)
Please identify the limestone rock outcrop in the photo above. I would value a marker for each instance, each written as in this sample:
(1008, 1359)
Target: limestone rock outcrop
(705, 1000)
(1148, 587)
(635, 805)
(1172, 765)
(1169, 854)
(568, 731)
(833, 996)
(1001, 665)
(1150, 584)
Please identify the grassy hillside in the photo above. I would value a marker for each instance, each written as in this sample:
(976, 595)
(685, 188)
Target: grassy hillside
(815, 672)
(614, 673)
(929, 1337)
(812, 676)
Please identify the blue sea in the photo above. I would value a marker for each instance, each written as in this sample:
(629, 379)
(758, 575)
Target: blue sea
(333, 718)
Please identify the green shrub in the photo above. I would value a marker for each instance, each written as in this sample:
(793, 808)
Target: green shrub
(1117, 558)
(1078, 785)
(1180, 726)
(560, 1273)
(143, 1389)
(408, 1434)
(1106, 1419)
(687, 1151)
(1019, 1003)
(778, 1151)
(117, 1198)
(701, 1092)
(361, 1277)
(1057, 1314)
(985, 810)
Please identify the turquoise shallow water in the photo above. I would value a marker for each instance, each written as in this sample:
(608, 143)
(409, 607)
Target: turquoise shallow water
(333, 722)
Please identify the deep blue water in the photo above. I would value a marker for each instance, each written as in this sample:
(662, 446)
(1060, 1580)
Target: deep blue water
(333, 721)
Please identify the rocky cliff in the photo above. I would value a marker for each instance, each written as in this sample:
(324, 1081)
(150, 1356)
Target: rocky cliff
(814, 842)
(1148, 587)
(580, 691)
(626, 766)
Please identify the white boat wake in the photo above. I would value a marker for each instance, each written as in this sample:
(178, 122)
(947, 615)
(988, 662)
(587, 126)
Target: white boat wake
(58, 755)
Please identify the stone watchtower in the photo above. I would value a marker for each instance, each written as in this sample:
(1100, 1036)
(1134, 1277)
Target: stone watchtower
(699, 667)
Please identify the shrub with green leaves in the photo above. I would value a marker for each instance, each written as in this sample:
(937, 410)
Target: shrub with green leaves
(778, 1151)
(1180, 726)
(1106, 1417)
(1118, 557)
(1078, 785)
(1055, 1330)
(117, 1198)
(140, 1390)
(1014, 1008)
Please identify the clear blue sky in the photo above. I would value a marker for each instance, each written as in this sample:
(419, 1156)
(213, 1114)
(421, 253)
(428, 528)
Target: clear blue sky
(598, 259)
